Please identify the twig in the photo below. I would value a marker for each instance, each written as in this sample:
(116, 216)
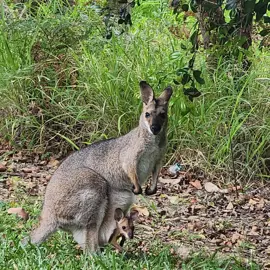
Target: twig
(234, 171)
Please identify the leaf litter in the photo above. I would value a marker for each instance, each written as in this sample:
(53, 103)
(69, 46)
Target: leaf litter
(188, 211)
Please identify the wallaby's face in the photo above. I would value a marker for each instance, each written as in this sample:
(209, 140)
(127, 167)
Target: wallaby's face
(125, 224)
(126, 227)
(155, 110)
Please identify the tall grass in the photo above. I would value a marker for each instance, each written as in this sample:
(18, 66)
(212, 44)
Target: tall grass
(63, 86)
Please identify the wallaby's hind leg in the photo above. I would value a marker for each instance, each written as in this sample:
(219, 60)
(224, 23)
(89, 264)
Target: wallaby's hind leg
(87, 238)
(43, 231)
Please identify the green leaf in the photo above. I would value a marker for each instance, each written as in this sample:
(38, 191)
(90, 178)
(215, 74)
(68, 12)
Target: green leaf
(260, 9)
(231, 4)
(266, 19)
(193, 38)
(181, 71)
(197, 76)
(193, 6)
(249, 6)
(219, 3)
(183, 46)
(264, 32)
(185, 7)
(176, 82)
(186, 78)
(191, 92)
(191, 62)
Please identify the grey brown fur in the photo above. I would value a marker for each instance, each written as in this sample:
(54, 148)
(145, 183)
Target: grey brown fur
(91, 184)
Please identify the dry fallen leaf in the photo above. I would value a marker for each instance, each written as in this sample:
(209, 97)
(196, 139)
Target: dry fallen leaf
(253, 231)
(210, 187)
(19, 211)
(3, 168)
(229, 206)
(53, 163)
(252, 202)
(27, 170)
(183, 251)
(235, 237)
(174, 199)
(141, 209)
(260, 204)
(196, 184)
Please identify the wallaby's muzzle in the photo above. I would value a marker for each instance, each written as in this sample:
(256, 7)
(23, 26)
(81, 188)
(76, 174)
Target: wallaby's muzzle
(155, 129)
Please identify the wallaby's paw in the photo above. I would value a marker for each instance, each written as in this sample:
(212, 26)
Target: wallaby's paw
(137, 190)
(149, 192)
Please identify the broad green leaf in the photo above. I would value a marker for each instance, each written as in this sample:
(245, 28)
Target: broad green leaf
(197, 76)
(186, 78)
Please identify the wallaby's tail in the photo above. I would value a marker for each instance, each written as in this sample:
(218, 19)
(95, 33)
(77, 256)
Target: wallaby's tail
(43, 231)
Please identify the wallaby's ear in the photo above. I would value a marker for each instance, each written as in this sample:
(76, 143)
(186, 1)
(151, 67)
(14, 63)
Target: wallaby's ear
(133, 214)
(146, 92)
(118, 214)
(166, 95)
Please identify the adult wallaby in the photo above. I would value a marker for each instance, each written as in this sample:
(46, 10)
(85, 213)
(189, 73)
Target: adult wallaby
(90, 184)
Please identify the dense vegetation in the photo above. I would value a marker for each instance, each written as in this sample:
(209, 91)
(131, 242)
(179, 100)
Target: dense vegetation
(63, 84)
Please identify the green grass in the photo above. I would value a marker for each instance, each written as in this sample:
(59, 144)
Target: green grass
(63, 86)
(59, 251)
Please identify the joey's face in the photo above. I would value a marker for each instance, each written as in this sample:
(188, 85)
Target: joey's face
(124, 223)
(126, 227)
(155, 110)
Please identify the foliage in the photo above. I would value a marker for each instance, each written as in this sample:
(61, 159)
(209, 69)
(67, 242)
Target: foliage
(63, 85)
(59, 252)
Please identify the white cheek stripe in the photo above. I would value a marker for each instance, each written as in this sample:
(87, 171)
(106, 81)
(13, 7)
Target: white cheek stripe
(148, 127)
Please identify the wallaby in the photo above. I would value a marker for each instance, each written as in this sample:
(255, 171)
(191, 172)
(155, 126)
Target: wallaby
(124, 228)
(90, 184)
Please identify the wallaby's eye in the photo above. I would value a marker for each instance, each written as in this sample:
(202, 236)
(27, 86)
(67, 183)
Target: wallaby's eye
(163, 115)
(124, 227)
(147, 114)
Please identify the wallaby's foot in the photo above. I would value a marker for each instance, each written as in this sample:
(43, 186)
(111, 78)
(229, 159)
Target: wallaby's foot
(149, 191)
(137, 190)
(118, 248)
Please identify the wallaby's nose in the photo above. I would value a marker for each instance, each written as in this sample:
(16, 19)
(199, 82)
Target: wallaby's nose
(130, 235)
(155, 129)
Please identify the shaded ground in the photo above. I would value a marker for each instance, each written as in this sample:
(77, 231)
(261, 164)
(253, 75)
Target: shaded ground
(182, 212)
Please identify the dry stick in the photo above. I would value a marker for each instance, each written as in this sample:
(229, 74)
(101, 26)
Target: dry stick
(234, 171)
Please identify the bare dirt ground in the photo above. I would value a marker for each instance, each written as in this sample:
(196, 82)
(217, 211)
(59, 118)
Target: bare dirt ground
(188, 211)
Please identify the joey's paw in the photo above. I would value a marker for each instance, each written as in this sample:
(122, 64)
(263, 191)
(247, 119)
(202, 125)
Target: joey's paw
(149, 191)
(137, 190)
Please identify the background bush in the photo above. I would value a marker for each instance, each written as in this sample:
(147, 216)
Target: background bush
(64, 85)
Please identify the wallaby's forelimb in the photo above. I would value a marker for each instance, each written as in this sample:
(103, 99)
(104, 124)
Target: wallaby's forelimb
(152, 189)
(113, 240)
(136, 189)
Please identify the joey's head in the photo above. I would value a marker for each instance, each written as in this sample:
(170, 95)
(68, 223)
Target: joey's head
(155, 110)
(125, 224)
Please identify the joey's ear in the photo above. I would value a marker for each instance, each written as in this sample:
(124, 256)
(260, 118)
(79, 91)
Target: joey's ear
(118, 214)
(146, 92)
(165, 95)
(134, 214)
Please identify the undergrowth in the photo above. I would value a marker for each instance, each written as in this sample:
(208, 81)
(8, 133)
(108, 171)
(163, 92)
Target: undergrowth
(63, 85)
(60, 252)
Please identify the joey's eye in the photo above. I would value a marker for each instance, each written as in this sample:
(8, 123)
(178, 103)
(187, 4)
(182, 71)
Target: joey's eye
(124, 227)
(147, 114)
